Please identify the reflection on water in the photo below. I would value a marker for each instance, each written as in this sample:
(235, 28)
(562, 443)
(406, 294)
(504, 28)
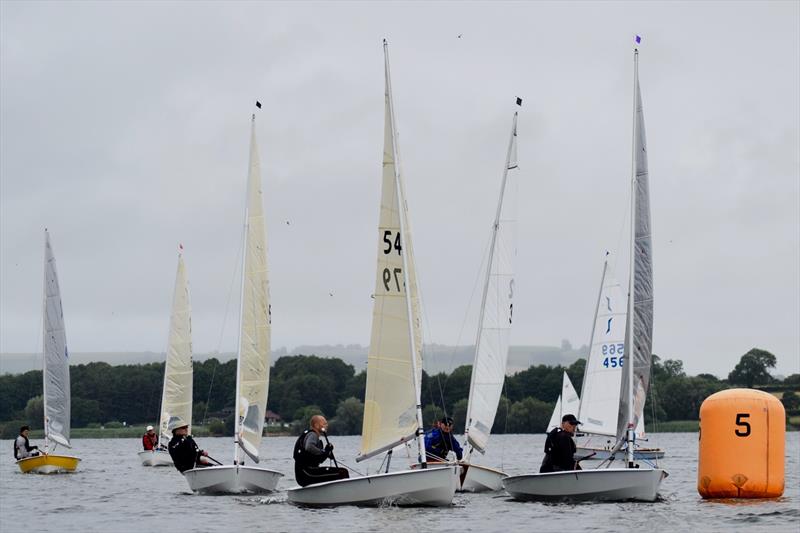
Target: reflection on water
(111, 491)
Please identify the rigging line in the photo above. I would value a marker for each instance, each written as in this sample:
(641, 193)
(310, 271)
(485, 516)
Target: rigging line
(224, 324)
(485, 258)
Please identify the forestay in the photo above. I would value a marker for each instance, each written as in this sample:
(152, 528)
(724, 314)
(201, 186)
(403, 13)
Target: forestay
(394, 365)
(254, 341)
(176, 399)
(601, 379)
(56, 355)
(640, 298)
(491, 347)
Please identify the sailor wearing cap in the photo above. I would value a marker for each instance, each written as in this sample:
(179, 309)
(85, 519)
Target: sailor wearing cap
(440, 441)
(149, 439)
(559, 448)
(185, 452)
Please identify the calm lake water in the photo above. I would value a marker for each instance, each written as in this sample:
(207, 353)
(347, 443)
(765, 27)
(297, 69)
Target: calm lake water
(111, 491)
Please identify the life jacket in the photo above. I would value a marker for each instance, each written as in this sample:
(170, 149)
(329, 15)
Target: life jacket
(548, 443)
(301, 457)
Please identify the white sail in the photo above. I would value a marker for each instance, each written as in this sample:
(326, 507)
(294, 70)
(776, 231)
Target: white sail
(252, 378)
(603, 373)
(639, 330)
(176, 398)
(394, 364)
(56, 355)
(491, 348)
(568, 403)
(555, 418)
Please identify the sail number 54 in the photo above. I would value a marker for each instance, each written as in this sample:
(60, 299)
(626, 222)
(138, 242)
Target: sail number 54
(391, 243)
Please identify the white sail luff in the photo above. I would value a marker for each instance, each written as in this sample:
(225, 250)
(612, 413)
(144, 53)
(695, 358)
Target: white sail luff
(56, 393)
(394, 365)
(491, 346)
(555, 418)
(176, 396)
(253, 361)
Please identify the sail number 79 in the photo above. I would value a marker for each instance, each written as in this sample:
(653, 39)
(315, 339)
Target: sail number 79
(387, 278)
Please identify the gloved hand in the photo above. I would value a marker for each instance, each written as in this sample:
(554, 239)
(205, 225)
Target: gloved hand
(329, 448)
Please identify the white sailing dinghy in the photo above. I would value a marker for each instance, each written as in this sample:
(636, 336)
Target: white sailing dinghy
(602, 376)
(392, 410)
(494, 330)
(252, 372)
(176, 396)
(55, 377)
(568, 403)
(632, 482)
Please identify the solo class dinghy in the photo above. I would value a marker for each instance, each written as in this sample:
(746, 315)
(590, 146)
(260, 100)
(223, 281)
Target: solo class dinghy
(252, 372)
(55, 376)
(392, 411)
(634, 482)
(176, 396)
(491, 346)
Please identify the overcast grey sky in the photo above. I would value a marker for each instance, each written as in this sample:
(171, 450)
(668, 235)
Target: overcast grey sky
(125, 131)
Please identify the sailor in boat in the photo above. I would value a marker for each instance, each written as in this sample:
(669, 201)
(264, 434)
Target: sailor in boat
(22, 446)
(149, 439)
(309, 454)
(185, 452)
(559, 448)
(440, 441)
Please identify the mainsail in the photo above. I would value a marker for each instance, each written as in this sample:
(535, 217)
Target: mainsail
(639, 330)
(252, 379)
(56, 355)
(491, 348)
(176, 399)
(394, 363)
(601, 379)
(568, 403)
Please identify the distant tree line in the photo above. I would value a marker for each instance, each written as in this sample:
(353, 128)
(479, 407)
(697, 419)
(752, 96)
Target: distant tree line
(301, 386)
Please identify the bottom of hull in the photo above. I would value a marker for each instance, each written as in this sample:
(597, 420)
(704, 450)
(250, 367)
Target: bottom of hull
(48, 464)
(232, 479)
(434, 487)
(609, 484)
(477, 478)
(155, 458)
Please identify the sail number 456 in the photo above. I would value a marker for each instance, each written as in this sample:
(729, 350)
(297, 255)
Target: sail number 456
(611, 350)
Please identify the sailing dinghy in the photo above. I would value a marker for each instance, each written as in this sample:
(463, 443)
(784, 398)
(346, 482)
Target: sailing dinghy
(601, 378)
(491, 347)
(55, 376)
(392, 410)
(633, 482)
(252, 369)
(176, 396)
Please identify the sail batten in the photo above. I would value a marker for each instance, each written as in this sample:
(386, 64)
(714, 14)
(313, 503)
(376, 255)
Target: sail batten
(176, 399)
(56, 397)
(491, 347)
(253, 364)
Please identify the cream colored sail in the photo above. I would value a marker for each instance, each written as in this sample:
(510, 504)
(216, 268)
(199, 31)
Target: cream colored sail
(56, 356)
(176, 398)
(394, 364)
(254, 342)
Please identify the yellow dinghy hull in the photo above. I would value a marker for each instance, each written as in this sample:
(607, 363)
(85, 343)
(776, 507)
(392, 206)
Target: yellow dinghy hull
(48, 464)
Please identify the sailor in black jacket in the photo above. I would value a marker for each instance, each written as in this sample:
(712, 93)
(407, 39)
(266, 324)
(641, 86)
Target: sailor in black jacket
(559, 448)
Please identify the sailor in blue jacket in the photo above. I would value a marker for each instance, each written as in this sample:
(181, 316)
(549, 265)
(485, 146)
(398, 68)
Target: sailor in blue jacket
(440, 441)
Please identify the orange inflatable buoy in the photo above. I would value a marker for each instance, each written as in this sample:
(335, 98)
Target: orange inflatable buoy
(742, 441)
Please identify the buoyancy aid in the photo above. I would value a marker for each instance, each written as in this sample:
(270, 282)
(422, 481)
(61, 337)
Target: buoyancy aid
(302, 457)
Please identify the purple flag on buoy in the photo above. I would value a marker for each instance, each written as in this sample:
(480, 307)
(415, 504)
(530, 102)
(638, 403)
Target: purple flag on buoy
(638, 40)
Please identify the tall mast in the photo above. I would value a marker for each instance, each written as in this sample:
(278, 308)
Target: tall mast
(406, 278)
(629, 348)
(495, 228)
(237, 456)
(44, 341)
